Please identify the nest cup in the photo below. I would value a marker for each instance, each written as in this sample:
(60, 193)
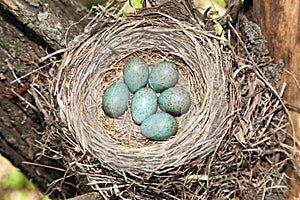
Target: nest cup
(96, 61)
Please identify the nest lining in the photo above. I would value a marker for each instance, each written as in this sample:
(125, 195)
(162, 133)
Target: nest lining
(91, 67)
(123, 131)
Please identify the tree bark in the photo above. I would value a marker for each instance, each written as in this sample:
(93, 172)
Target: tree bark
(280, 24)
(29, 30)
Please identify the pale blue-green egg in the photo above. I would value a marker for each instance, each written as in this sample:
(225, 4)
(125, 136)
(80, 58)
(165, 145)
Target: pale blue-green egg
(163, 75)
(143, 104)
(136, 73)
(115, 99)
(159, 126)
(175, 100)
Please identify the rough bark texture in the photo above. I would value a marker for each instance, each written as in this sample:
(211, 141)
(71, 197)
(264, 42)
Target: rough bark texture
(280, 23)
(28, 30)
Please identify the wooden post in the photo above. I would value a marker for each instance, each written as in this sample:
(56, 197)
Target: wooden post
(280, 24)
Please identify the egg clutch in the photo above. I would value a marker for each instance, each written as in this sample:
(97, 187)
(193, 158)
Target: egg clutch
(161, 91)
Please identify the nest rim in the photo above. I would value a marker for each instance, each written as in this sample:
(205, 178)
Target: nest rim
(183, 147)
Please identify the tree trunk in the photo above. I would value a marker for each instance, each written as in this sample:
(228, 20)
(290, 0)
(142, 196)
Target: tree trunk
(28, 30)
(280, 24)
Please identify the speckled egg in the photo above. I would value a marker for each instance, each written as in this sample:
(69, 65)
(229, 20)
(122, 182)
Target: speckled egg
(163, 75)
(174, 100)
(115, 99)
(159, 126)
(143, 104)
(136, 73)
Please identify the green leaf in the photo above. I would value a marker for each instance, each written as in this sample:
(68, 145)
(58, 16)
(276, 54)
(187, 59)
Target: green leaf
(218, 29)
(30, 185)
(220, 2)
(46, 198)
(220, 32)
(136, 3)
(14, 180)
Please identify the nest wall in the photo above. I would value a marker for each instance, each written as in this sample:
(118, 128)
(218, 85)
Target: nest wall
(231, 134)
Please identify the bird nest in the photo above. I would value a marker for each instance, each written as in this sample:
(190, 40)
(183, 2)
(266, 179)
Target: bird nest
(229, 144)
